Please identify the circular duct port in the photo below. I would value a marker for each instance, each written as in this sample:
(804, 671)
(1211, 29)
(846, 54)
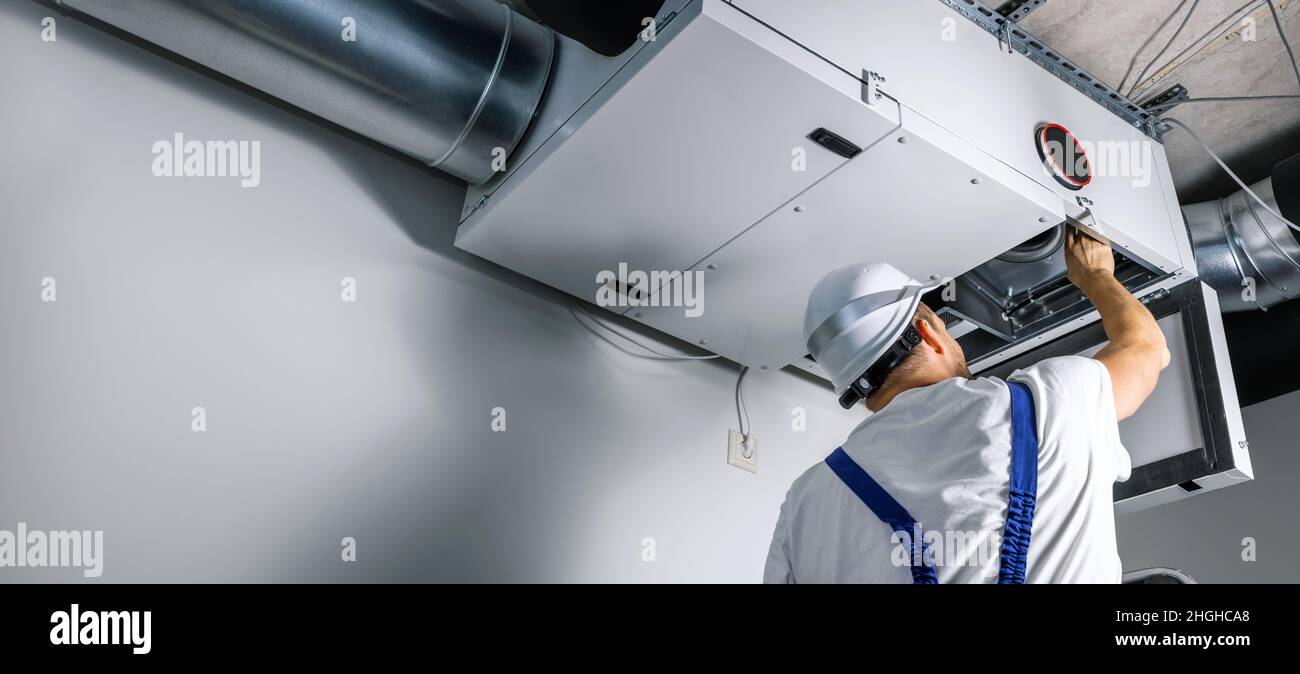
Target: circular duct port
(1038, 248)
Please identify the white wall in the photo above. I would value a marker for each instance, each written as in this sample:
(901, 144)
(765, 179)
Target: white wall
(326, 419)
(1203, 535)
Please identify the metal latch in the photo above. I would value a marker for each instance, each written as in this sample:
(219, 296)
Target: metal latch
(1155, 296)
(476, 205)
(871, 87)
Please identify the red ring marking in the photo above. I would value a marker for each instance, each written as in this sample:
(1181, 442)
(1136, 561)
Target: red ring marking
(1042, 141)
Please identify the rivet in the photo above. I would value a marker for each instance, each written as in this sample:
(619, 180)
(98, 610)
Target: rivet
(712, 266)
(974, 181)
(902, 139)
(798, 209)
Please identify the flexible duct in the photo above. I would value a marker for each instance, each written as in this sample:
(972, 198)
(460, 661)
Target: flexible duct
(453, 83)
(1235, 240)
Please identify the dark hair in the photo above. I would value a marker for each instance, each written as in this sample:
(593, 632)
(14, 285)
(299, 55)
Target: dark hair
(911, 362)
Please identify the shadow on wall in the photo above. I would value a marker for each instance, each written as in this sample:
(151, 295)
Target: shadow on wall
(465, 491)
(406, 203)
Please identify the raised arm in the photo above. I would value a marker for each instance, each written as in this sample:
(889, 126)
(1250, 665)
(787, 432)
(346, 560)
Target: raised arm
(1137, 351)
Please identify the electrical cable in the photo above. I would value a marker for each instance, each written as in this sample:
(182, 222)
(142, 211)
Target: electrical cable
(1181, 26)
(742, 412)
(1232, 175)
(1133, 61)
(1165, 107)
(1229, 19)
(658, 355)
(1218, 27)
(1282, 34)
(742, 416)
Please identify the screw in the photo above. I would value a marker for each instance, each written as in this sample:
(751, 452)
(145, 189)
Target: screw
(712, 266)
(974, 181)
(798, 209)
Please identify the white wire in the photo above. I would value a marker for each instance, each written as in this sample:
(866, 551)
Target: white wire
(658, 355)
(1227, 170)
(1218, 28)
(1165, 107)
(742, 412)
(1285, 43)
(1282, 34)
(1137, 82)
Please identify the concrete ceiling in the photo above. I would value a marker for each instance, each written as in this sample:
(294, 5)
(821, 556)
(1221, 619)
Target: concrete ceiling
(1115, 39)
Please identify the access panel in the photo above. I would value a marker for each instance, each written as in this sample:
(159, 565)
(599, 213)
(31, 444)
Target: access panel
(1188, 437)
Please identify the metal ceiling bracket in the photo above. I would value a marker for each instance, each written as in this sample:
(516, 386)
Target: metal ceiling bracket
(1020, 40)
(1167, 99)
(1004, 37)
(1017, 10)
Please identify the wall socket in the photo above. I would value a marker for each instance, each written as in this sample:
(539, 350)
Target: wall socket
(740, 453)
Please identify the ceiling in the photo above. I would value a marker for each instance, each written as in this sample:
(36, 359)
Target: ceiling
(1115, 39)
(1108, 37)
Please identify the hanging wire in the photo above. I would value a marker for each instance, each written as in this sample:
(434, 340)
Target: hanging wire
(742, 414)
(1168, 44)
(1230, 18)
(1133, 61)
(1230, 173)
(1218, 28)
(1285, 43)
(658, 355)
(1165, 107)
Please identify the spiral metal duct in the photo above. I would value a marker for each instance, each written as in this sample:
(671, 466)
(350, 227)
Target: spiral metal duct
(453, 83)
(1235, 239)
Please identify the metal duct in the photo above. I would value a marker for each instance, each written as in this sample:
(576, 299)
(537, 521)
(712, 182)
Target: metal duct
(453, 83)
(1235, 239)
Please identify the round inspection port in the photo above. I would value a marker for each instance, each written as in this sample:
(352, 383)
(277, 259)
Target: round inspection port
(1063, 156)
(1037, 248)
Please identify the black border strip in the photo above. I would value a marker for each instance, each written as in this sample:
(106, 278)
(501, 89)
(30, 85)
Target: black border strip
(1216, 454)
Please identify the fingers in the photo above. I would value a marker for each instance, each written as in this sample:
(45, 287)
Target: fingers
(1076, 236)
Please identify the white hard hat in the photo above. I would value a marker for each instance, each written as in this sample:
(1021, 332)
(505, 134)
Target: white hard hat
(856, 315)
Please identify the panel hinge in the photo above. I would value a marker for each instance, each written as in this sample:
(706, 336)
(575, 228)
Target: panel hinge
(871, 82)
(473, 208)
(1155, 296)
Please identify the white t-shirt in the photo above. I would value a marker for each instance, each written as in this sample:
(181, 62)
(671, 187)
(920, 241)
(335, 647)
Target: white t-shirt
(944, 453)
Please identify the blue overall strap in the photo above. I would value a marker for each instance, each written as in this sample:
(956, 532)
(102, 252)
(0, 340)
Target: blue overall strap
(1024, 485)
(889, 511)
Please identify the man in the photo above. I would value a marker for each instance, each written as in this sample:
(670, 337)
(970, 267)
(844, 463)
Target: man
(922, 491)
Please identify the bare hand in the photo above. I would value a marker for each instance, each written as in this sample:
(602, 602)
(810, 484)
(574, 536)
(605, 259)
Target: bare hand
(1086, 258)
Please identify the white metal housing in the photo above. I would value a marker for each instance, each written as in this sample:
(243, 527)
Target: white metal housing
(691, 153)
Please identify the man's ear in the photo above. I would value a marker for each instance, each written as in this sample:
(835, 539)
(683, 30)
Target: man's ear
(930, 336)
